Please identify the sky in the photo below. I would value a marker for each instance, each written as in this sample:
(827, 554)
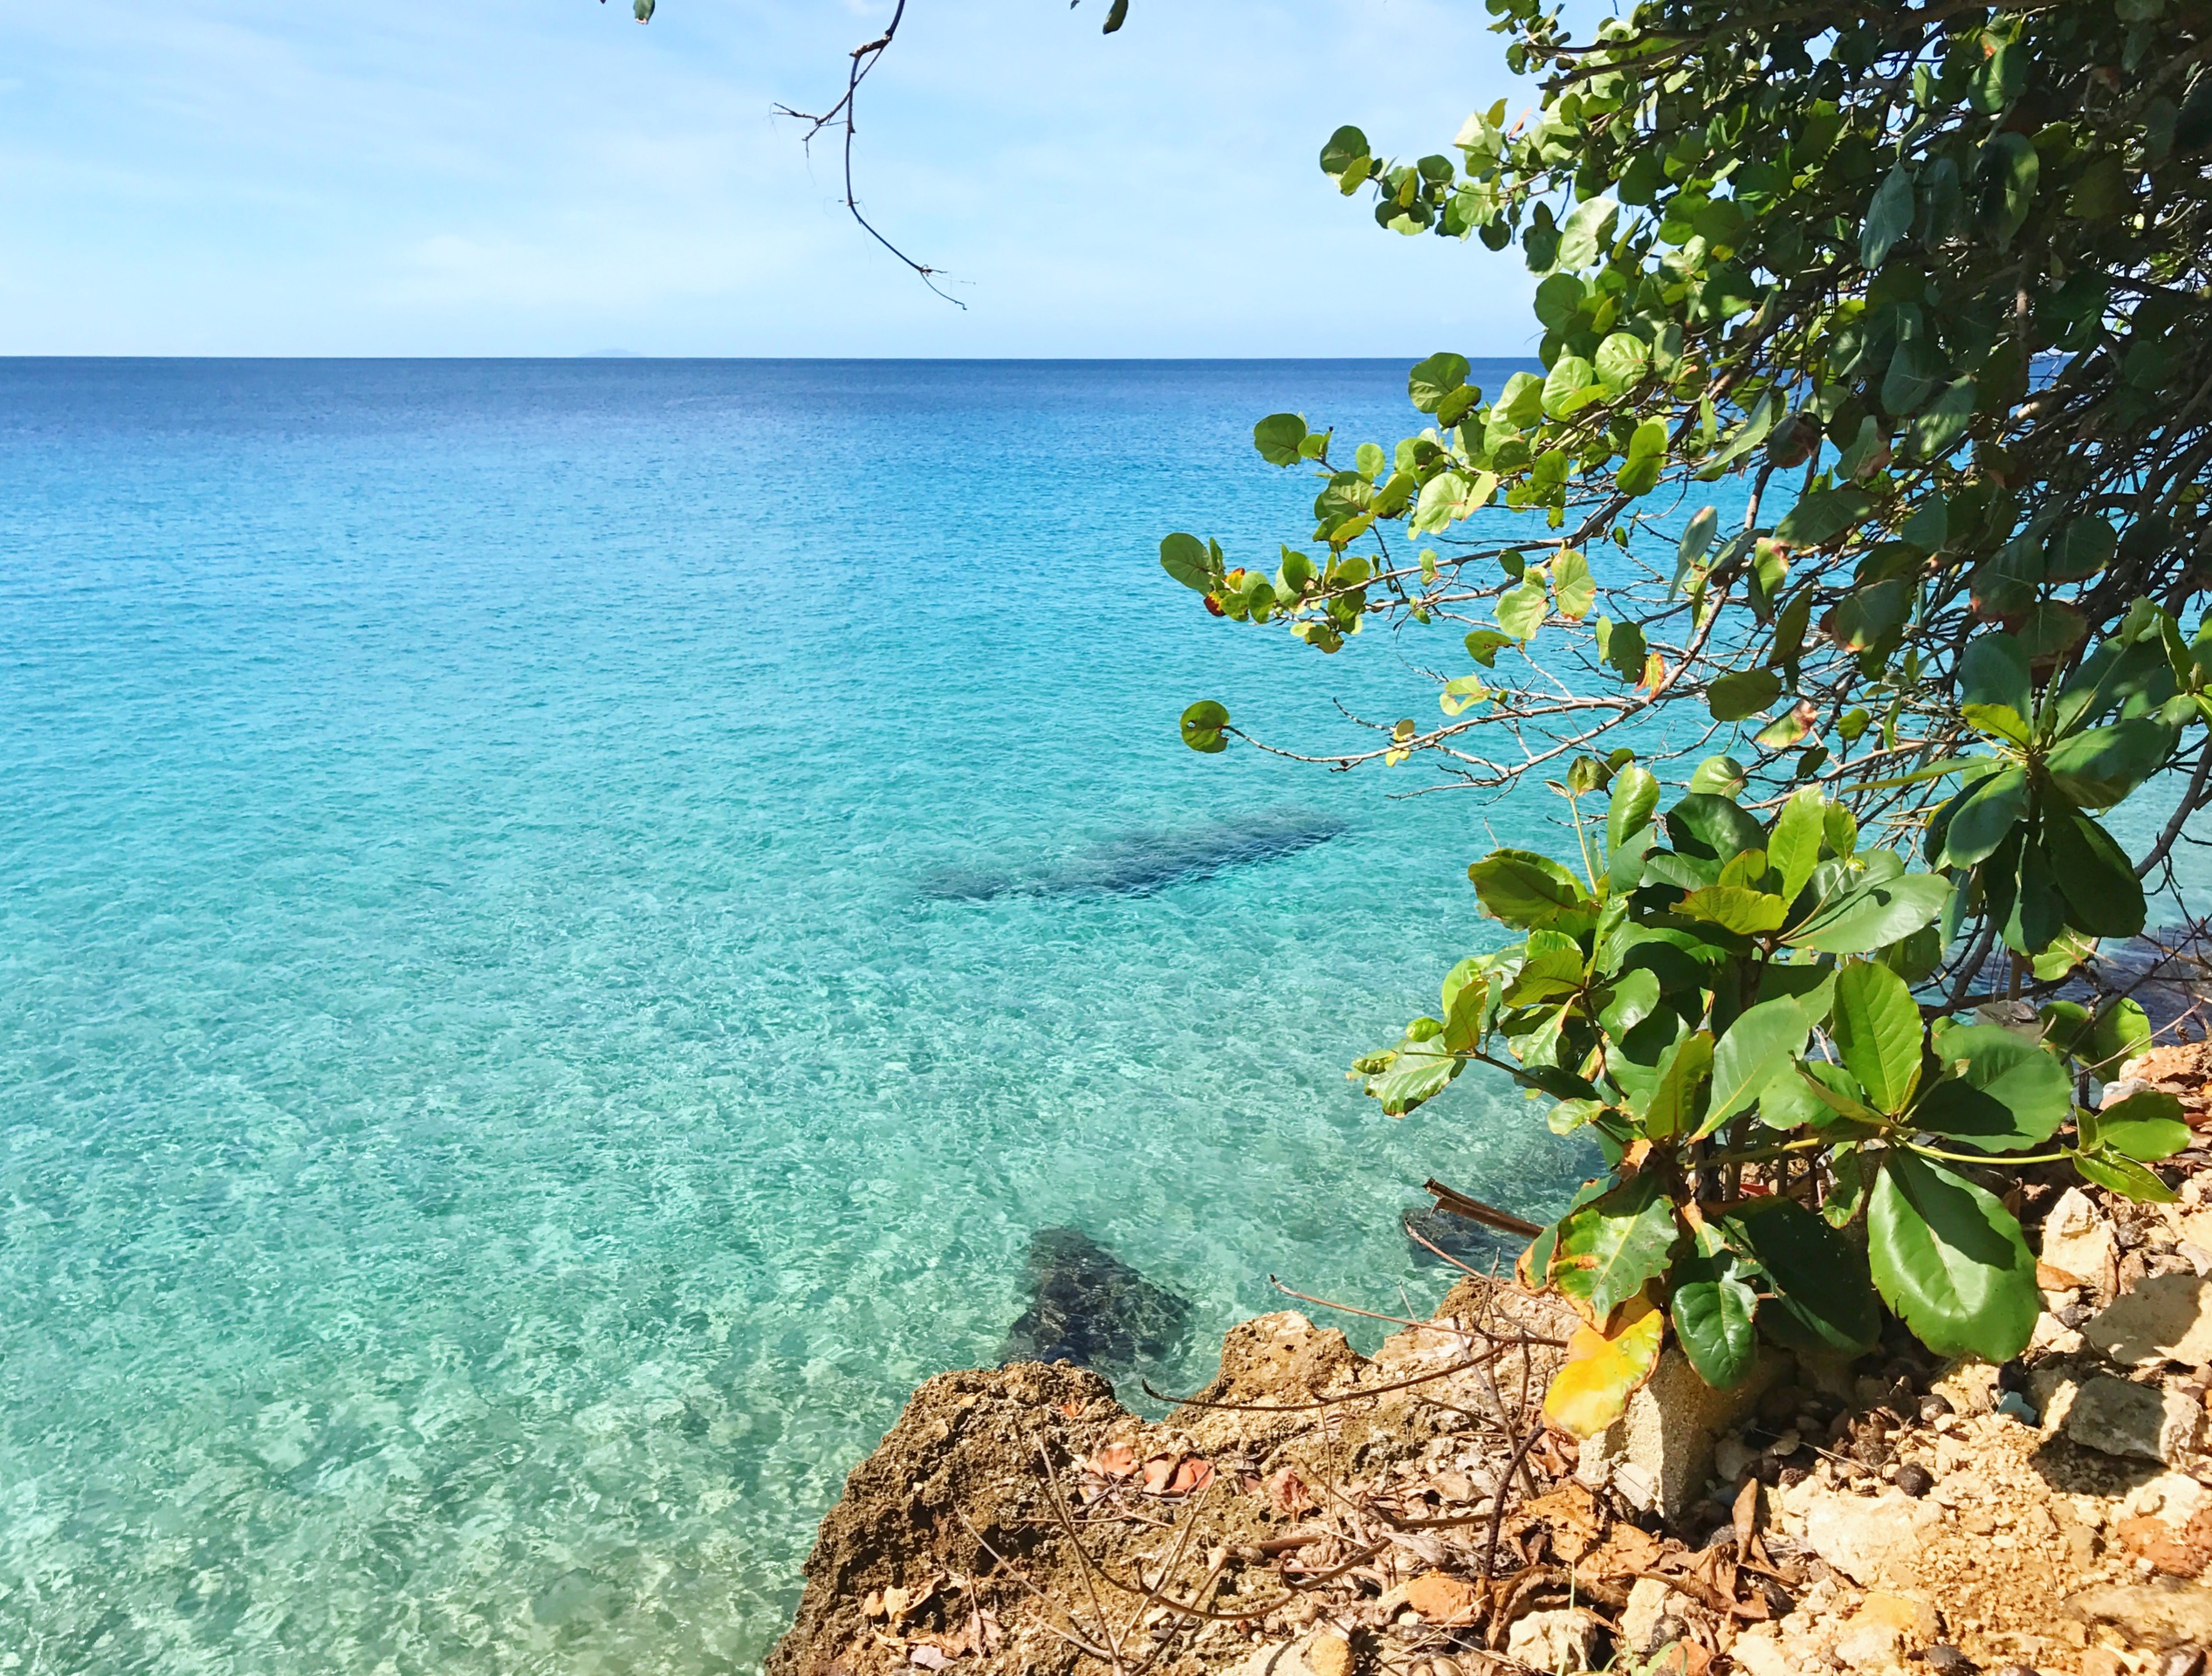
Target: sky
(501, 177)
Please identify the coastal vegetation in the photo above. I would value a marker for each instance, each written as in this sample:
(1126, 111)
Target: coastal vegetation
(1858, 510)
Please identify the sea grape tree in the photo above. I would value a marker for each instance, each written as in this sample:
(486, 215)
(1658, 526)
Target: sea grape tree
(1866, 471)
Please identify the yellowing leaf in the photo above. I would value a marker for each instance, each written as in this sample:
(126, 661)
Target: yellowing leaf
(1604, 1371)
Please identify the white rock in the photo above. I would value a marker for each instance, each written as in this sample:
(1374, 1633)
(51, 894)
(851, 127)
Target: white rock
(1865, 1646)
(1731, 1457)
(2171, 1498)
(1648, 1602)
(1758, 1652)
(2167, 1317)
(2121, 1088)
(2053, 1337)
(1565, 1640)
(2078, 1246)
(1279, 1660)
(1969, 1386)
(2118, 1418)
(1870, 1539)
(1660, 1453)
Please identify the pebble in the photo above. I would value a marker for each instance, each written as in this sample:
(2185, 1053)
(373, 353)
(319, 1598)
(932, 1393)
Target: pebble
(1946, 1660)
(1915, 1479)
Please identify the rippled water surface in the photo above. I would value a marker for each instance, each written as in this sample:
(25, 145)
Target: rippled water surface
(565, 924)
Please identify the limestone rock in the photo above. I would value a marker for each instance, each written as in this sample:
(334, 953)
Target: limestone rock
(1571, 1639)
(2078, 1246)
(2167, 1317)
(1969, 1386)
(2152, 1615)
(1759, 1652)
(1870, 1539)
(1279, 1660)
(1909, 1615)
(2171, 1498)
(2118, 1418)
(1329, 1654)
(1867, 1647)
(1649, 1603)
(1660, 1453)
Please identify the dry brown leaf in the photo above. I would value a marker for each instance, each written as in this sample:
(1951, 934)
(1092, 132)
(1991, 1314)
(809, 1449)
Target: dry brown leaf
(1288, 1493)
(1191, 1475)
(1114, 1461)
(1441, 1598)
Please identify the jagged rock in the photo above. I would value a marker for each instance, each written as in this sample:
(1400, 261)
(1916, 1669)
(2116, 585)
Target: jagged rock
(2150, 1614)
(1571, 1639)
(2079, 1246)
(1651, 1603)
(2116, 1417)
(1969, 1386)
(2171, 1498)
(1870, 1539)
(1759, 1652)
(1660, 1453)
(2166, 1318)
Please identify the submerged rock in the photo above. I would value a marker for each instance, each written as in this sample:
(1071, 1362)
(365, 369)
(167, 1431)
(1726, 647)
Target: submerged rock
(1139, 864)
(1089, 1307)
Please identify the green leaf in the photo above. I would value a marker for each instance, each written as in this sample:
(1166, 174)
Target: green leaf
(2146, 1126)
(1747, 692)
(1877, 1027)
(1940, 428)
(1418, 1070)
(1629, 1001)
(1889, 217)
(2102, 894)
(1697, 536)
(2008, 1094)
(1987, 818)
(1678, 1096)
(1346, 147)
(1873, 915)
(2124, 1175)
(1994, 670)
(1711, 827)
(1720, 776)
(2098, 768)
(1612, 1247)
(1529, 890)
(1569, 386)
(1793, 849)
(1523, 610)
(1622, 646)
(1764, 1040)
(1278, 437)
(1823, 516)
(1822, 1300)
(1202, 726)
(2005, 185)
(1431, 380)
(1184, 558)
(1623, 358)
(2122, 1032)
(1587, 232)
(1950, 1260)
(1733, 908)
(1484, 645)
(1635, 795)
(1712, 1311)
(1572, 586)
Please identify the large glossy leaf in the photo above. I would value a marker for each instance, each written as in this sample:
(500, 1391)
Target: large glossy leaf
(1994, 670)
(1733, 908)
(1747, 692)
(2103, 897)
(2001, 1092)
(1610, 1247)
(1529, 890)
(1184, 557)
(1823, 516)
(2121, 1031)
(2124, 1175)
(1711, 827)
(1764, 1040)
(1950, 1259)
(2146, 1126)
(1889, 217)
(1986, 817)
(1821, 1301)
(1793, 847)
(1635, 795)
(2096, 769)
(1603, 1371)
(1713, 1310)
(1677, 1104)
(1812, 1092)
(1877, 1027)
(1628, 1000)
(2037, 913)
(1419, 1071)
(1877, 913)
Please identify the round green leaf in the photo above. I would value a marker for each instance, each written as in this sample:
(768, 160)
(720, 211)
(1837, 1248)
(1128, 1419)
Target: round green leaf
(1745, 693)
(1202, 726)
(2146, 1126)
(2005, 1093)
(1712, 1311)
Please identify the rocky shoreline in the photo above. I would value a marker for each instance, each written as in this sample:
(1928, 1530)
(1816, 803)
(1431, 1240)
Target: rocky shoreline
(1315, 1512)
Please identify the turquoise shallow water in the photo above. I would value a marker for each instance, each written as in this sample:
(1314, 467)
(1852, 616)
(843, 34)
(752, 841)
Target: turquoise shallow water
(496, 1119)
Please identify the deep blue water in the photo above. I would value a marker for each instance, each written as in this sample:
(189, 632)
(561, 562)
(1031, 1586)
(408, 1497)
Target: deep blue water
(504, 1092)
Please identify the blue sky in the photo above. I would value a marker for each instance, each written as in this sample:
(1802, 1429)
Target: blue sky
(545, 177)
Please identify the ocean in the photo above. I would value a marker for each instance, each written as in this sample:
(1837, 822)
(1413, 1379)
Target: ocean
(567, 923)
